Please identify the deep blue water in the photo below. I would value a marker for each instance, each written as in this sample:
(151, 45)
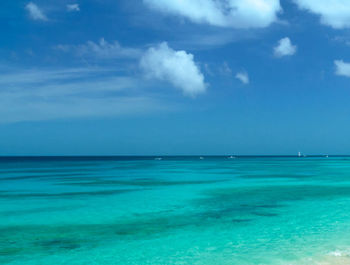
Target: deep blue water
(174, 210)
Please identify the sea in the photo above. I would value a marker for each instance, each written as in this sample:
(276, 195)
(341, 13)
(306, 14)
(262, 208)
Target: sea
(208, 210)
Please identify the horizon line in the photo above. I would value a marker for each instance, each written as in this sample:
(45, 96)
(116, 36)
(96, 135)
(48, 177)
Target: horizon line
(195, 155)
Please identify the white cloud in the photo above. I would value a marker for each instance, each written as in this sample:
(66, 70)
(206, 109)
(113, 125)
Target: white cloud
(177, 67)
(71, 93)
(284, 48)
(35, 12)
(342, 68)
(103, 50)
(243, 77)
(224, 13)
(73, 8)
(334, 13)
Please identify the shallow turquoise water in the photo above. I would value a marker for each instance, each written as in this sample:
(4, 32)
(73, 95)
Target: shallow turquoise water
(178, 210)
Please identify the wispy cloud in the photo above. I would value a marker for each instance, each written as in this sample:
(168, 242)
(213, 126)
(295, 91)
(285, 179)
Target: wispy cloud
(223, 13)
(159, 62)
(35, 12)
(284, 47)
(225, 69)
(70, 93)
(19, 109)
(102, 50)
(73, 8)
(342, 39)
(243, 77)
(335, 13)
(342, 68)
(176, 67)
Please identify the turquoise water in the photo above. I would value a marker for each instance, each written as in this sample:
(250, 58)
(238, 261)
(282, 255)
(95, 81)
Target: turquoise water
(178, 210)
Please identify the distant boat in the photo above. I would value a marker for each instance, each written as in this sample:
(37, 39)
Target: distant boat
(201, 157)
(299, 154)
(158, 158)
(326, 155)
(231, 157)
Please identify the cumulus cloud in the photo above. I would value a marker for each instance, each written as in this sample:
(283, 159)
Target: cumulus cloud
(35, 12)
(102, 49)
(334, 13)
(73, 8)
(243, 77)
(284, 48)
(176, 67)
(223, 13)
(342, 68)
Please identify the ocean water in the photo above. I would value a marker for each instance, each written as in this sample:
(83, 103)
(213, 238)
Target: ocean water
(178, 210)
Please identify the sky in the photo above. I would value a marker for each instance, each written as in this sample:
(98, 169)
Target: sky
(174, 77)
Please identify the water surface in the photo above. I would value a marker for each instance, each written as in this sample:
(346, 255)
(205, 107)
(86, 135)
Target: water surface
(177, 210)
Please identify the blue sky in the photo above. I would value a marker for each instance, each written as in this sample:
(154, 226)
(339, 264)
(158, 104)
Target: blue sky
(133, 77)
